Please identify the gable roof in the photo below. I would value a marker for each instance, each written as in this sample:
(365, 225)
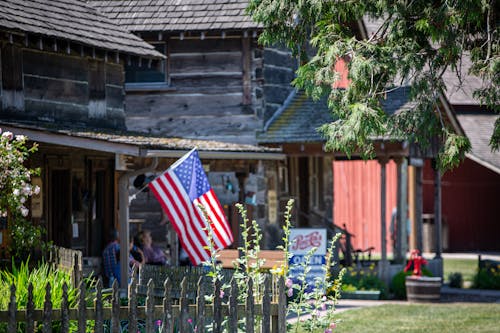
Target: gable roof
(177, 15)
(299, 120)
(479, 127)
(71, 20)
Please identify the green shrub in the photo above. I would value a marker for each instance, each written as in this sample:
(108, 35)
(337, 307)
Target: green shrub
(363, 279)
(398, 287)
(455, 280)
(487, 278)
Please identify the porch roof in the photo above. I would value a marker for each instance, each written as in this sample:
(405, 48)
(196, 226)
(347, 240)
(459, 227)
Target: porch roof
(138, 144)
(298, 122)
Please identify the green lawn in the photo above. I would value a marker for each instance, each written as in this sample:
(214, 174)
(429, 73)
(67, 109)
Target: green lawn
(465, 266)
(429, 318)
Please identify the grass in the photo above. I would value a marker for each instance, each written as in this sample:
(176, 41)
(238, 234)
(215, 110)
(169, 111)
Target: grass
(467, 267)
(429, 318)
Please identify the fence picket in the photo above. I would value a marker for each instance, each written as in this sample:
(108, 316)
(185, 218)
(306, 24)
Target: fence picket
(217, 307)
(266, 305)
(132, 303)
(282, 307)
(82, 306)
(47, 310)
(184, 303)
(30, 309)
(167, 326)
(150, 303)
(200, 306)
(249, 308)
(98, 307)
(11, 327)
(130, 314)
(64, 309)
(233, 307)
(115, 309)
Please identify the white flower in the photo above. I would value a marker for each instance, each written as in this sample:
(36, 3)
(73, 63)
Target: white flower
(24, 211)
(8, 135)
(22, 200)
(21, 138)
(36, 189)
(15, 192)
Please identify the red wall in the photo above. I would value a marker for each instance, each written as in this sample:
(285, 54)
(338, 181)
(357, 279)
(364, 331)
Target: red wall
(470, 204)
(356, 186)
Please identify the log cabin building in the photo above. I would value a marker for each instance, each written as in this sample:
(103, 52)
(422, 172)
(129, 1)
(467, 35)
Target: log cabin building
(63, 86)
(216, 83)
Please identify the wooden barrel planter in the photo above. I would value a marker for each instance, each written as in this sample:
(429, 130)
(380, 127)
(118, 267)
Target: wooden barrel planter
(423, 288)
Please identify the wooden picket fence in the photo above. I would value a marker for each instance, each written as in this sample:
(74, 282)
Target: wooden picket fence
(170, 315)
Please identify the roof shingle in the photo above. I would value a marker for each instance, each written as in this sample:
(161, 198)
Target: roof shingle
(71, 20)
(192, 15)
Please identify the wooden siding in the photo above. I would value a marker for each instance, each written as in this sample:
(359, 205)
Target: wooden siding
(211, 95)
(470, 196)
(278, 71)
(357, 200)
(57, 88)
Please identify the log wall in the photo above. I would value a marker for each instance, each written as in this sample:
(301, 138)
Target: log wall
(58, 88)
(219, 89)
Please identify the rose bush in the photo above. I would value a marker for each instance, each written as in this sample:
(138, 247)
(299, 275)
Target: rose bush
(15, 190)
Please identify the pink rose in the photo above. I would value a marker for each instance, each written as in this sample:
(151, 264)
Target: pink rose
(290, 292)
(288, 283)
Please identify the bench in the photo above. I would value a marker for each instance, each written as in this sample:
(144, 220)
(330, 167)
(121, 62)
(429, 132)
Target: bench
(272, 258)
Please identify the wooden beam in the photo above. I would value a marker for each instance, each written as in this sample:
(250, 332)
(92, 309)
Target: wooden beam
(419, 208)
(437, 212)
(412, 205)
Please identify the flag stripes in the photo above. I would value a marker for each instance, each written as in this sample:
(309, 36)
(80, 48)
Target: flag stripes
(181, 206)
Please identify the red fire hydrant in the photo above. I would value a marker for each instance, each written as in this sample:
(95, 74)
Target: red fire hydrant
(417, 260)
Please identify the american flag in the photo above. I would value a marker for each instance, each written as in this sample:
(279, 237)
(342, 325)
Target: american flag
(180, 190)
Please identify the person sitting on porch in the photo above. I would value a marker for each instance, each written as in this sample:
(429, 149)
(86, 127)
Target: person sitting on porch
(153, 255)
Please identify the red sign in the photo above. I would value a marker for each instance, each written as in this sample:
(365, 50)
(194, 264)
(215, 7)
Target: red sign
(306, 241)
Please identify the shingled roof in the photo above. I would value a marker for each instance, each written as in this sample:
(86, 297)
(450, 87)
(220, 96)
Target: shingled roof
(126, 142)
(299, 121)
(479, 127)
(71, 20)
(178, 15)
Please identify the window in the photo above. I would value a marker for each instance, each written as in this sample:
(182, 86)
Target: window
(145, 74)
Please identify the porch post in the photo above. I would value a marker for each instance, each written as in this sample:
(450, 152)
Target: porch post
(123, 202)
(437, 212)
(383, 227)
(401, 219)
(123, 184)
(419, 208)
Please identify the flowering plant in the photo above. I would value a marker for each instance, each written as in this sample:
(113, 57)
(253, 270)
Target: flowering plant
(15, 190)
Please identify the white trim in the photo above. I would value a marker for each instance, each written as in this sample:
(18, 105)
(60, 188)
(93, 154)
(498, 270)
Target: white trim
(483, 163)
